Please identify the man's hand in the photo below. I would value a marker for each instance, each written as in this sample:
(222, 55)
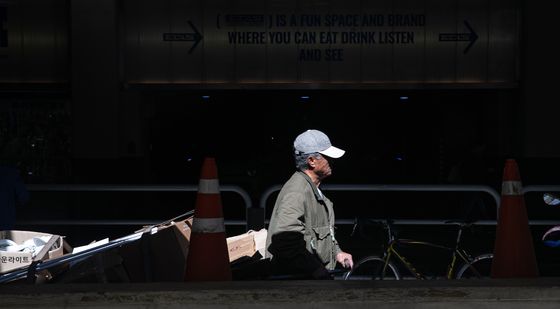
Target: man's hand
(345, 259)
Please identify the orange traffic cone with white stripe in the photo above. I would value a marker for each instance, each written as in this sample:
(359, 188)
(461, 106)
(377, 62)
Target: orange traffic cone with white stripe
(208, 258)
(514, 255)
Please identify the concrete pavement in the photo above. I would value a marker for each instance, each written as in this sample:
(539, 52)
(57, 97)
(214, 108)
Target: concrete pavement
(539, 293)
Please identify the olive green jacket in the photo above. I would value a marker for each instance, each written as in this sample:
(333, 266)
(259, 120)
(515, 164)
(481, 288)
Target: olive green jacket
(300, 210)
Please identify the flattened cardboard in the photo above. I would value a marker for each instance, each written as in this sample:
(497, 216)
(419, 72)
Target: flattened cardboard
(13, 260)
(158, 257)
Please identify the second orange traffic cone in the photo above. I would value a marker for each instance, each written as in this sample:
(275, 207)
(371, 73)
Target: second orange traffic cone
(208, 258)
(514, 255)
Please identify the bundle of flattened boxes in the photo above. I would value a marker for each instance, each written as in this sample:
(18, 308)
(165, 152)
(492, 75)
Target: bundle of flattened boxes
(51, 247)
(164, 253)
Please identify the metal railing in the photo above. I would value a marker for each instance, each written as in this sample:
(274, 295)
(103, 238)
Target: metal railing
(395, 187)
(540, 188)
(268, 192)
(248, 204)
(126, 188)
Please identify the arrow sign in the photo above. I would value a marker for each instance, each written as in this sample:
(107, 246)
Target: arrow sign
(471, 37)
(195, 37)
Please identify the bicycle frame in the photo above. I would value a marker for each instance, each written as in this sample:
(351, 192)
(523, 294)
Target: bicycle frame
(391, 251)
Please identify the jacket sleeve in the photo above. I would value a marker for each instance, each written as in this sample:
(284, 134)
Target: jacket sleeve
(288, 243)
(337, 249)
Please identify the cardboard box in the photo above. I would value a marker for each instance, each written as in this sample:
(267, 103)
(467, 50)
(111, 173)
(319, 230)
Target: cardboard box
(159, 256)
(240, 246)
(14, 260)
(101, 267)
(246, 244)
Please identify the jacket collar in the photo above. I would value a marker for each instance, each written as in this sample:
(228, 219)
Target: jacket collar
(318, 196)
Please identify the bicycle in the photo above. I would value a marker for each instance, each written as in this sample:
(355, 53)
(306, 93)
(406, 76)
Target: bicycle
(384, 267)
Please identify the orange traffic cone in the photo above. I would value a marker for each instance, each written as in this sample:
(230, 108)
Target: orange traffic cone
(208, 258)
(514, 255)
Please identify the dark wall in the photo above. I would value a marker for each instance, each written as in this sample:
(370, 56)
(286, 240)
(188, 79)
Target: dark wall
(134, 132)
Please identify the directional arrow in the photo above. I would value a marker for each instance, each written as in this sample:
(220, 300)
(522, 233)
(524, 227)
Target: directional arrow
(195, 37)
(460, 37)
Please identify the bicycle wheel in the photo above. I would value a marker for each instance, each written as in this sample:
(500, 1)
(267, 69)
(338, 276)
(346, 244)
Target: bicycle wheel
(479, 268)
(372, 268)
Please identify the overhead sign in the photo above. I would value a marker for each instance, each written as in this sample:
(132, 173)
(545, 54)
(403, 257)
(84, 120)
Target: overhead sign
(377, 43)
(316, 34)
